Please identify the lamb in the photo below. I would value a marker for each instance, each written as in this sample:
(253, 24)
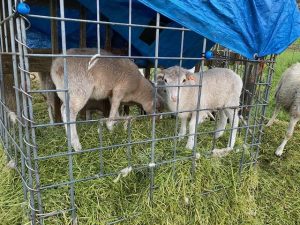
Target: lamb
(221, 89)
(98, 78)
(288, 97)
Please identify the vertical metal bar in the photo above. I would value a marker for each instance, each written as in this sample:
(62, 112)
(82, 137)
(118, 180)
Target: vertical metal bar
(55, 50)
(28, 162)
(266, 100)
(5, 115)
(198, 107)
(98, 26)
(177, 105)
(129, 142)
(54, 36)
(101, 145)
(4, 27)
(1, 35)
(18, 103)
(231, 130)
(67, 111)
(30, 110)
(215, 128)
(154, 107)
(245, 145)
(129, 31)
(2, 130)
(255, 90)
(82, 39)
(2, 100)
(245, 78)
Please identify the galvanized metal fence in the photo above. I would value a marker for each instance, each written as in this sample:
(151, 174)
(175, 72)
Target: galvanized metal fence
(24, 139)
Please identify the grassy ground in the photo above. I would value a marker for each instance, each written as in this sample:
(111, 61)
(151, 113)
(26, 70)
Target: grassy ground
(267, 195)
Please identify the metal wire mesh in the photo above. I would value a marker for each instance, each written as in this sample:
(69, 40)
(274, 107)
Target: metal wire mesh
(32, 143)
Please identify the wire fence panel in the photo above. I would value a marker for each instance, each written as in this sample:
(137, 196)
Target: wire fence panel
(68, 132)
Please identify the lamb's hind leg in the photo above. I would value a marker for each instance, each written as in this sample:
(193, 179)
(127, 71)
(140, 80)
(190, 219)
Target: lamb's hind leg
(275, 113)
(288, 135)
(75, 105)
(50, 112)
(74, 136)
(221, 123)
(234, 121)
(115, 103)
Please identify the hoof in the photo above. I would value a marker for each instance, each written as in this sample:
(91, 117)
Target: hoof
(11, 164)
(110, 125)
(13, 117)
(125, 125)
(279, 152)
(218, 134)
(77, 146)
(270, 123)
(189, 145)
(181, 136)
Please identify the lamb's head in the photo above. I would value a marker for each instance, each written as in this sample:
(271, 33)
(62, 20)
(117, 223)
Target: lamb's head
(173, 77)
(158, 101)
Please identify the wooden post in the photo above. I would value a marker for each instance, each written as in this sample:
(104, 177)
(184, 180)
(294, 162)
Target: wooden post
(197, 67)
(249, 86)
(147, 72)
(54, 47)
(82, 42)
(107, 45)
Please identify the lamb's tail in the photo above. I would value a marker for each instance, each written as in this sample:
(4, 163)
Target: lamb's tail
(93, 60)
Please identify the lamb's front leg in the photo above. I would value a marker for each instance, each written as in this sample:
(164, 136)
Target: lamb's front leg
(115, 103)
(50, 114)
(232, 114)
(275, 113)
(182, 131)
(192, 130)
(74, 136)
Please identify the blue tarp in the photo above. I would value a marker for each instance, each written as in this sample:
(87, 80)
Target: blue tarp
(247, 27)
(143, 39)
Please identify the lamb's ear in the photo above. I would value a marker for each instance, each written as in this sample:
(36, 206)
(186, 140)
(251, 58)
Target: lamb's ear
(189, 75)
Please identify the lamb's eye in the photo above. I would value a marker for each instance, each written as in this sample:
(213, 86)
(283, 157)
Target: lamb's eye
(183, 80)
(166, 81)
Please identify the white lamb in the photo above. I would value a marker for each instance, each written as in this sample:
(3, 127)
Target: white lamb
(288, 97)
(221, 89)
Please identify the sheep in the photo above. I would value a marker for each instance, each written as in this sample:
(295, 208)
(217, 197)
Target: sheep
(221, 89)
(98, 78)
(287, 96)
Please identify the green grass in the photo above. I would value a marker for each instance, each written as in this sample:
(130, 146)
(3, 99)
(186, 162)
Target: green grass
(268, 194)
